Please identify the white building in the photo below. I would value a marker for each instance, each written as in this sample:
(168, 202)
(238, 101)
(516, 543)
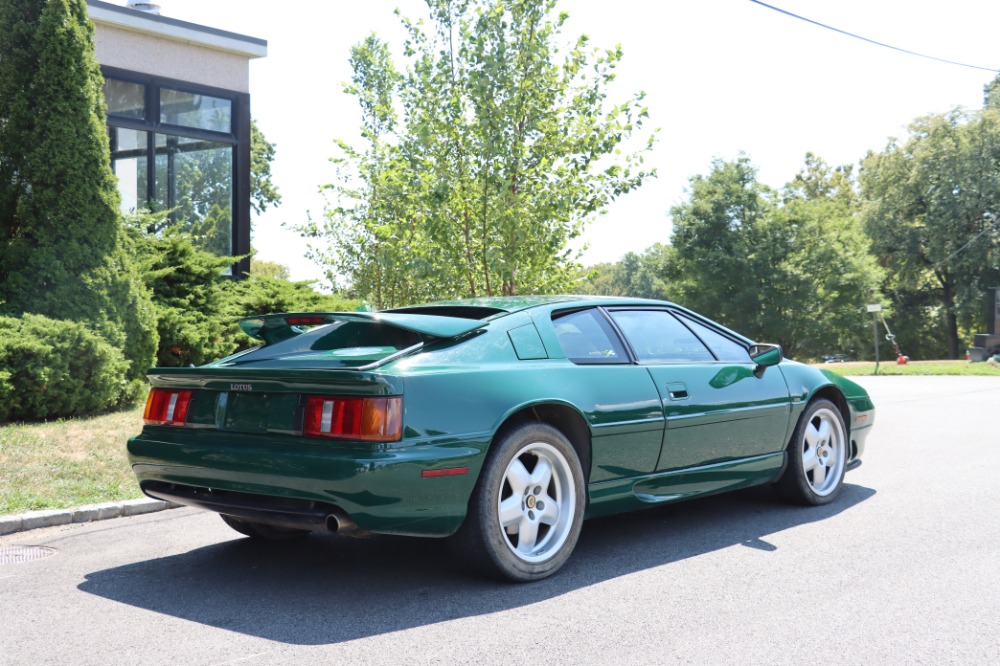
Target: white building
(178, 97)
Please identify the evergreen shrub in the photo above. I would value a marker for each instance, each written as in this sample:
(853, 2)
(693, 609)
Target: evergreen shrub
(51, 368)
(198, 309)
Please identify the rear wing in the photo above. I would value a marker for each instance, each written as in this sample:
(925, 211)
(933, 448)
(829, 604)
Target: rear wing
(277, 327)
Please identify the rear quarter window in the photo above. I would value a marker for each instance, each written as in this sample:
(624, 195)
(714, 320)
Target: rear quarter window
(587, 337)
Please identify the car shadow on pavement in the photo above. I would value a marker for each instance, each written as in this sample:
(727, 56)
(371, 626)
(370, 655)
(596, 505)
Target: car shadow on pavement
(328, 589)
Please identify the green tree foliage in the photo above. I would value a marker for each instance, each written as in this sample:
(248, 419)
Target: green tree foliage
(265, 295)
(18, 62)
(932, 209)
(793, 268)
(188, 297)
(197, 308)
(269, 269)
(724, 259)
(829, 271)
(263, 191)
(638, 275)
(62, 255)
(65, 221)
(373, 223)
(51, 368)
(507, 146)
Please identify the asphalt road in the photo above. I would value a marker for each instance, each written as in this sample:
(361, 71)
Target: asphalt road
(903, 569)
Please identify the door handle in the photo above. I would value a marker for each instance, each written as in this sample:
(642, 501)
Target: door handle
(677, 391)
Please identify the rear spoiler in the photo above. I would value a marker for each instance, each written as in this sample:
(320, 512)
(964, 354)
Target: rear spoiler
(277, 327)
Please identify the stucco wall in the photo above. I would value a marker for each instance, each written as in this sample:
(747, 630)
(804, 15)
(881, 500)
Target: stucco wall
(139, 52)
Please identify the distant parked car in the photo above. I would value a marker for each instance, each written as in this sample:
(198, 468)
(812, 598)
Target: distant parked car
(838, 358)
(499, 423)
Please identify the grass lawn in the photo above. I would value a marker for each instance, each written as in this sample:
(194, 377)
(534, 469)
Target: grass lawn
(82, 461)
(989, 368)
(67, 462)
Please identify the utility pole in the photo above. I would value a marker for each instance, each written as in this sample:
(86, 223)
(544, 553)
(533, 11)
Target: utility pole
(875, 309)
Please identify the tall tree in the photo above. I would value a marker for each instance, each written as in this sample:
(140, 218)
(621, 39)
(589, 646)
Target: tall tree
(506, 148)
(374, 223)
(829, 271)
(18, 62)
(932, 208)
(263, 191)
(792, 268)
(63, 256)
(724, 258)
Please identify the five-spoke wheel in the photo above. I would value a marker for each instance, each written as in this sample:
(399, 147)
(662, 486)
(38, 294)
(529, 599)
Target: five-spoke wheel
(527, 508)
(817, 456)
(536, 502)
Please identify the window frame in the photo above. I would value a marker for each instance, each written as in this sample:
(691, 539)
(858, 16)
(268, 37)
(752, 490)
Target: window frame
(238, 138)
(609, 327)
(679, 314)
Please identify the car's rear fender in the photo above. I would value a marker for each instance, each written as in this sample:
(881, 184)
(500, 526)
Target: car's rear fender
(563, 417)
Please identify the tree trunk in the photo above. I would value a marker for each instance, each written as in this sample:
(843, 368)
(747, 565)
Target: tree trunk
(951, 319)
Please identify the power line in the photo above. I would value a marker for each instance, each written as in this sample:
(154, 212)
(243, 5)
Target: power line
(971, 241)
(872, 41)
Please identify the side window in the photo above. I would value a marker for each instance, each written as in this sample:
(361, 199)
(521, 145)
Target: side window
(725, 349)
(657, 337)
(586, 337)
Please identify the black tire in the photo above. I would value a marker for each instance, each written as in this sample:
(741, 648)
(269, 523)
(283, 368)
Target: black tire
(533, 478)
(817, 457)
(262, 531)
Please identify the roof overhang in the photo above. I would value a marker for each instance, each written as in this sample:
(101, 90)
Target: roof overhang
(173, 29)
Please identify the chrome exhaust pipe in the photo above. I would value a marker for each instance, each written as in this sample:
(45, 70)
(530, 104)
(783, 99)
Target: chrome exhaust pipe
(339, 522)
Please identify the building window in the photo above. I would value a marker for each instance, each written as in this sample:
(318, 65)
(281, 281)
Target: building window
(190, 110)
(125, 98)
(182, 148)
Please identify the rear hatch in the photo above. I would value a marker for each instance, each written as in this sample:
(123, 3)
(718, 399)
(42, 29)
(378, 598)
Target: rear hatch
(314, 375)
(342, 339)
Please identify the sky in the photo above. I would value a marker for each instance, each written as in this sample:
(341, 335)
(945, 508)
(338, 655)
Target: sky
(721, 77)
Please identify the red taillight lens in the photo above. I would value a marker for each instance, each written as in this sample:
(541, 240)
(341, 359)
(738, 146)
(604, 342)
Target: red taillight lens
(167, 407)
(365, 419)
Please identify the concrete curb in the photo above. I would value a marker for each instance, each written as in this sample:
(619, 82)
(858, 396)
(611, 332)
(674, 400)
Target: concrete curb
(81, 514)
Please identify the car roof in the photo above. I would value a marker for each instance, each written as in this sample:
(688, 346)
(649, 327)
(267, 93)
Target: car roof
(485, 307)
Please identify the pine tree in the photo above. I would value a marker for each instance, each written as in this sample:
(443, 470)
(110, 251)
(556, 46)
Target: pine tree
(64, 254)
(18, 61)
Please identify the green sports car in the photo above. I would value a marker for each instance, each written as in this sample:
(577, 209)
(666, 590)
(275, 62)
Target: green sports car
(500, 423)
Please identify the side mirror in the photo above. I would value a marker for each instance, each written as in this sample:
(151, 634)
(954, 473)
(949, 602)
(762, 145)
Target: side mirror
(764, 356)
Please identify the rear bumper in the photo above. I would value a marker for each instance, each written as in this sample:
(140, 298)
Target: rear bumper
(296, 514)
(859, 437)
(299, 483)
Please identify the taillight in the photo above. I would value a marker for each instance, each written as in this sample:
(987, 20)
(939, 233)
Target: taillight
(167, 407)
(365, 419)
(305, 321)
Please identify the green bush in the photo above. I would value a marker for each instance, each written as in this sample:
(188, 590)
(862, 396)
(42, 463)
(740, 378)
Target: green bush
(186, 285)
(198, 308)
(51, 368)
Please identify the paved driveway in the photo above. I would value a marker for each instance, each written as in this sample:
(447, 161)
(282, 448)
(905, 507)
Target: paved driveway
(903, 569)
